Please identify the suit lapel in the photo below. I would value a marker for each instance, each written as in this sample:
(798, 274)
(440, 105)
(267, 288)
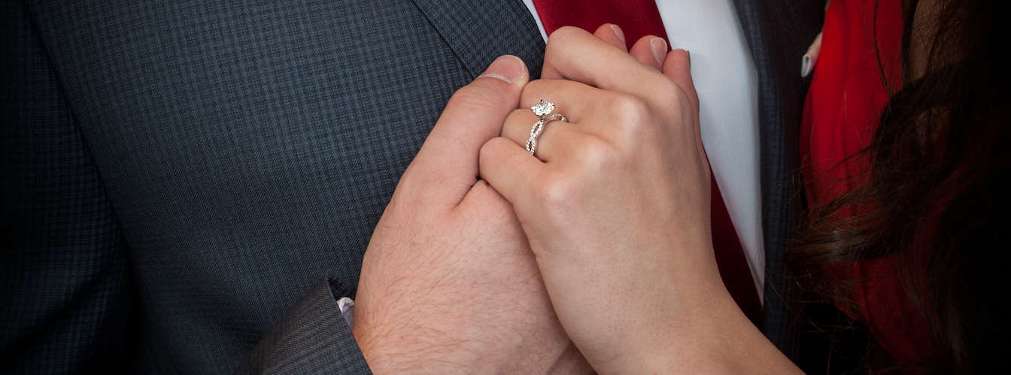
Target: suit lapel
(480, 31)
(778, 33)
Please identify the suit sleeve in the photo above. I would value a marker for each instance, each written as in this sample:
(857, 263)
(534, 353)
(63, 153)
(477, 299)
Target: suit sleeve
(65, 301)
(312, 339)
(66, 296)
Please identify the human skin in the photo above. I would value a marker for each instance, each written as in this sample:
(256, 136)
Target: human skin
(616, 210)
(615, 207)
(448, 284)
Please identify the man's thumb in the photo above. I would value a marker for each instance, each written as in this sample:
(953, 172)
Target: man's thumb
(448, 161)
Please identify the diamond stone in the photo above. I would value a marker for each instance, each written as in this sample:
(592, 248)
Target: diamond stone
(543, 108)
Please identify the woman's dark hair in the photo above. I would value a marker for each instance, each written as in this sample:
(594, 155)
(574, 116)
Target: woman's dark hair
(937, 190)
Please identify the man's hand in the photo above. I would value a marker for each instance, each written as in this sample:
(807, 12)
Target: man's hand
(448, 283)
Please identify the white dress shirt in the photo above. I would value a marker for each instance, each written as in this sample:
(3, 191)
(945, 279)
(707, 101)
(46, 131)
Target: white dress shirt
(727, 84)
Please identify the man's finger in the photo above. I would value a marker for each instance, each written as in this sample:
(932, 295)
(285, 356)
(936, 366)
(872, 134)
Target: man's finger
(447, 164)
(608, 32)
(612, 34)
(578, 55)
(650, 51)
(677, 67)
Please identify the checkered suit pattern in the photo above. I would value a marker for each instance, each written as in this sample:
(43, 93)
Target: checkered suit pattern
(188, 175)
(181, 179)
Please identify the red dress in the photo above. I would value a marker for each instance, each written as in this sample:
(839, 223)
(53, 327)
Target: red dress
(848, 92)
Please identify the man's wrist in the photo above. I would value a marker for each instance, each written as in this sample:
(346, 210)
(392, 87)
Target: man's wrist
(405, 346)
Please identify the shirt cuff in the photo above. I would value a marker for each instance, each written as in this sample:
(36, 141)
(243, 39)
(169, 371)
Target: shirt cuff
(347, 308)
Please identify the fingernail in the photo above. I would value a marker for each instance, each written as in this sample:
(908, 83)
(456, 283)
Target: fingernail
(507, 68)
(659, 48)
(618, 33)
(688, 55)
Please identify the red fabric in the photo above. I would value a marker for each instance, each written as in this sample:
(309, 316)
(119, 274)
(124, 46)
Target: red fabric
(638, 18)
(844, 104)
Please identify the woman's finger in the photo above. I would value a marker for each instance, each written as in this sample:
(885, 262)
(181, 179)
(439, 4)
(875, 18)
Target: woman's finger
(556, 140)
(509, 169)
(580, 56)
(650, 51)
(572, 99)
(595, 110)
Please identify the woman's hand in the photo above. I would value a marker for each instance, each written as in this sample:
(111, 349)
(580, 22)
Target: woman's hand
(616, 208)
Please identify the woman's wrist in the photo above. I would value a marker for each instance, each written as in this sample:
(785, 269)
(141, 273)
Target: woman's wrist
(701, 330)
(718, 338)
(694, 342)
(664, 323)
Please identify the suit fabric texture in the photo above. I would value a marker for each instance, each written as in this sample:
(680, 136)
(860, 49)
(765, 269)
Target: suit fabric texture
(189, 186)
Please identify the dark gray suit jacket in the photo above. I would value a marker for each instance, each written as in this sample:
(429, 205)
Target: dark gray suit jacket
(188, 185)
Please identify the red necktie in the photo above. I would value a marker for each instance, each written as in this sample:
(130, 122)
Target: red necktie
(638, 18)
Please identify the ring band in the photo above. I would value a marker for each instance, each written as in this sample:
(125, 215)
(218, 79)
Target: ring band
(538, 129)
(545, 112)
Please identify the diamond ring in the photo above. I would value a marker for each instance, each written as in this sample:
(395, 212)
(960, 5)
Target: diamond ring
(545, 112)
(543, 108)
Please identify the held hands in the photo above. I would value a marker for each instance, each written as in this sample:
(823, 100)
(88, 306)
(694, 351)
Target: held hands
(616, 209)
(616, 204)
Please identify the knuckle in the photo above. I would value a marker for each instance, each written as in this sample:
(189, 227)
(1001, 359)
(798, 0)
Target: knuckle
(565, 33)
(636, 119)
(674, 99)
(685, 94)
(488, 149)
(496, 151)
(485, 153)
(557, 194)
(520, 116)
(532, 88)
(669, 91)
(629, 108)
(559, 39)
(598, 156)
